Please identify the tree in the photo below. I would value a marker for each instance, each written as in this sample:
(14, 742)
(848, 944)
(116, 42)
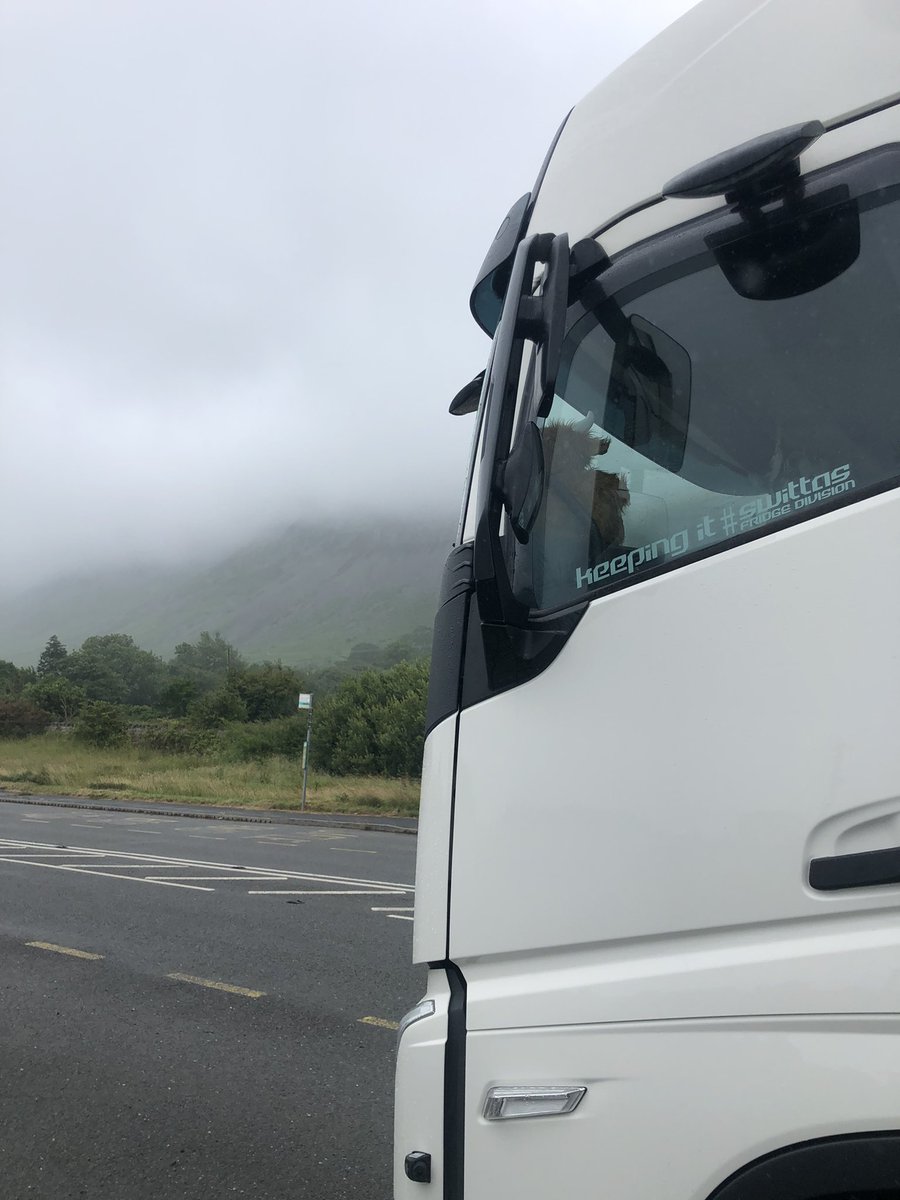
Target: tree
(217, 708)
(206, 662)
(13, 679)
(20, 718)
(112, 668)
(268, 690)
(57, 696)
(178, 696)
(53, 658)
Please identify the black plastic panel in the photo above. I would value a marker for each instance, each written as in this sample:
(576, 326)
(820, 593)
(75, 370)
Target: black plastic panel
(448, 639)
(501, 657)
(455, 1087)
(864, 1165)
(869, 868)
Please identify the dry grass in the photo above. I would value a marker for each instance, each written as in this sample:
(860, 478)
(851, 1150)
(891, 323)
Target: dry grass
(52, 764)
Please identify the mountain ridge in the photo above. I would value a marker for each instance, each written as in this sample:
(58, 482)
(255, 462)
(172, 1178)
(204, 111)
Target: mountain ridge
(304, 595)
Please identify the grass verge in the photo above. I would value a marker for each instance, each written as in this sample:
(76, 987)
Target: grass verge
(56, 765)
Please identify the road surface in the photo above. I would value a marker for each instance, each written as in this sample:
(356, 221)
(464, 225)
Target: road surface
(194, 1008)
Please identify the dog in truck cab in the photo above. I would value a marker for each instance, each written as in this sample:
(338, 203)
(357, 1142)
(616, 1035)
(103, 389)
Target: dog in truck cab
(575, 488)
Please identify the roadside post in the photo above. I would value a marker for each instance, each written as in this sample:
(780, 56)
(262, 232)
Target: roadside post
(305, 702)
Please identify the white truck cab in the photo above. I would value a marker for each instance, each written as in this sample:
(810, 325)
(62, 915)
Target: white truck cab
(658, 881)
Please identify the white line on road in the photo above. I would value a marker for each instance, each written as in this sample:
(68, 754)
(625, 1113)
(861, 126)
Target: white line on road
(9, 856)
(384, 886)
(307, 892)
(347, 850)
(397, 917)
(99, 860)
(394, 908)
(246, 878)
(38, 820)
(110, 875)
(206, 837)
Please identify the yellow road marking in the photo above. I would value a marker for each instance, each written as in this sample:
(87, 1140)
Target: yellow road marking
(213, 983)
(379, 1021)
(64, 950)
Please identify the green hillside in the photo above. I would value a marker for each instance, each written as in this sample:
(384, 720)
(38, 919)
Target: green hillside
(306, 596)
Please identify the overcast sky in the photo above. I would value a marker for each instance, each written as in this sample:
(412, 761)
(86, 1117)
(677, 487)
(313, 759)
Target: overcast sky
(237, 239)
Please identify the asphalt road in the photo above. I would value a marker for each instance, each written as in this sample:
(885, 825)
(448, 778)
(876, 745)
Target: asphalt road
(224, 1027)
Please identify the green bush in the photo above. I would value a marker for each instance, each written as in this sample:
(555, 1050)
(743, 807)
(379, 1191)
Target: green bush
(101, 724)
(374, 724)
(268, 690)
(217, 708)
(264, 739)
(57, 696)
(176, 737)
(20, 718)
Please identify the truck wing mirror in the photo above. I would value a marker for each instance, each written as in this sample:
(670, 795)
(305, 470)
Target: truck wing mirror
(466, 399)
(486, 300)
(522, 482)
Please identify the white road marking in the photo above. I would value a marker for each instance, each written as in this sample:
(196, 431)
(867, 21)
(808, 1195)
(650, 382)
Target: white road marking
(307, 892)
(206, 837)
(347, 850)
(109, 875)
(243, 878)
(37, 820)
(397, 917)
(131, 860)
(78, 825)
(394, 908)
(98, 860)
(14, 857)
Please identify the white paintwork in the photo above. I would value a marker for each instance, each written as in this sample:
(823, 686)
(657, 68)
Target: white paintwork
(419, 1093)
(727, 71)
(633, 828)
(756, 691)
(673, 1108)
(433, 844)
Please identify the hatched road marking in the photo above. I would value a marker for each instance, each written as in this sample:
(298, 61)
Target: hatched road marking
(160, 870)
(232, 988)
(379, 1021)
(65, 950)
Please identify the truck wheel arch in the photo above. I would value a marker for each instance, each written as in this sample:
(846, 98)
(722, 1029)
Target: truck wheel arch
(864, 1166)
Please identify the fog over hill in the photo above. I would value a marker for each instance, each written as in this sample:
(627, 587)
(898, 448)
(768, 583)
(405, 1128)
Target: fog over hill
(305, 595)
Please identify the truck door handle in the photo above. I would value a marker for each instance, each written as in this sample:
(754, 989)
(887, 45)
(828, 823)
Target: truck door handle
(868, 868)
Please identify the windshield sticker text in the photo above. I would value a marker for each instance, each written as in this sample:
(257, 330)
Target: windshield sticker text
(629, 561)
(791, 497)
(794, 496)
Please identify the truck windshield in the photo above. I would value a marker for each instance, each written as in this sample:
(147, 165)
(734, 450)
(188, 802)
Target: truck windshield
(688, 415)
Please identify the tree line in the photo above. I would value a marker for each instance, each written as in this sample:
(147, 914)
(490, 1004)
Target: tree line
(207, 699)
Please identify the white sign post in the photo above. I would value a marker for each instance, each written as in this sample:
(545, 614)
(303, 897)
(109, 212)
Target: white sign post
(305, 702)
